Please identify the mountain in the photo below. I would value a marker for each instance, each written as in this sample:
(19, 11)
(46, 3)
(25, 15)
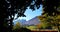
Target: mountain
(33, 21)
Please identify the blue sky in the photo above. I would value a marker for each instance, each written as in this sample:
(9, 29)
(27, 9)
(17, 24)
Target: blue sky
(31, 14)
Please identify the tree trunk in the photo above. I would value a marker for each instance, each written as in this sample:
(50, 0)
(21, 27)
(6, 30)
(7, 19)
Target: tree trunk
(10, 25)
(5, 26)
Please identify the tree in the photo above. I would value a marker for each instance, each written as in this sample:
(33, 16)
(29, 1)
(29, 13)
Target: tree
(50, 21)
(42, 25)
(45, 21)
(8, 9)
(17, 26)
(51, 7)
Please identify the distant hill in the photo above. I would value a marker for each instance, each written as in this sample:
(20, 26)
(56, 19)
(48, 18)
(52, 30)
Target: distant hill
(33, 21)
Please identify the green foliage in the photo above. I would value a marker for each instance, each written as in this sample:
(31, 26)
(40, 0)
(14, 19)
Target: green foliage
(17, 26)
(44, 25)
(31, 27)
(52, 21)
